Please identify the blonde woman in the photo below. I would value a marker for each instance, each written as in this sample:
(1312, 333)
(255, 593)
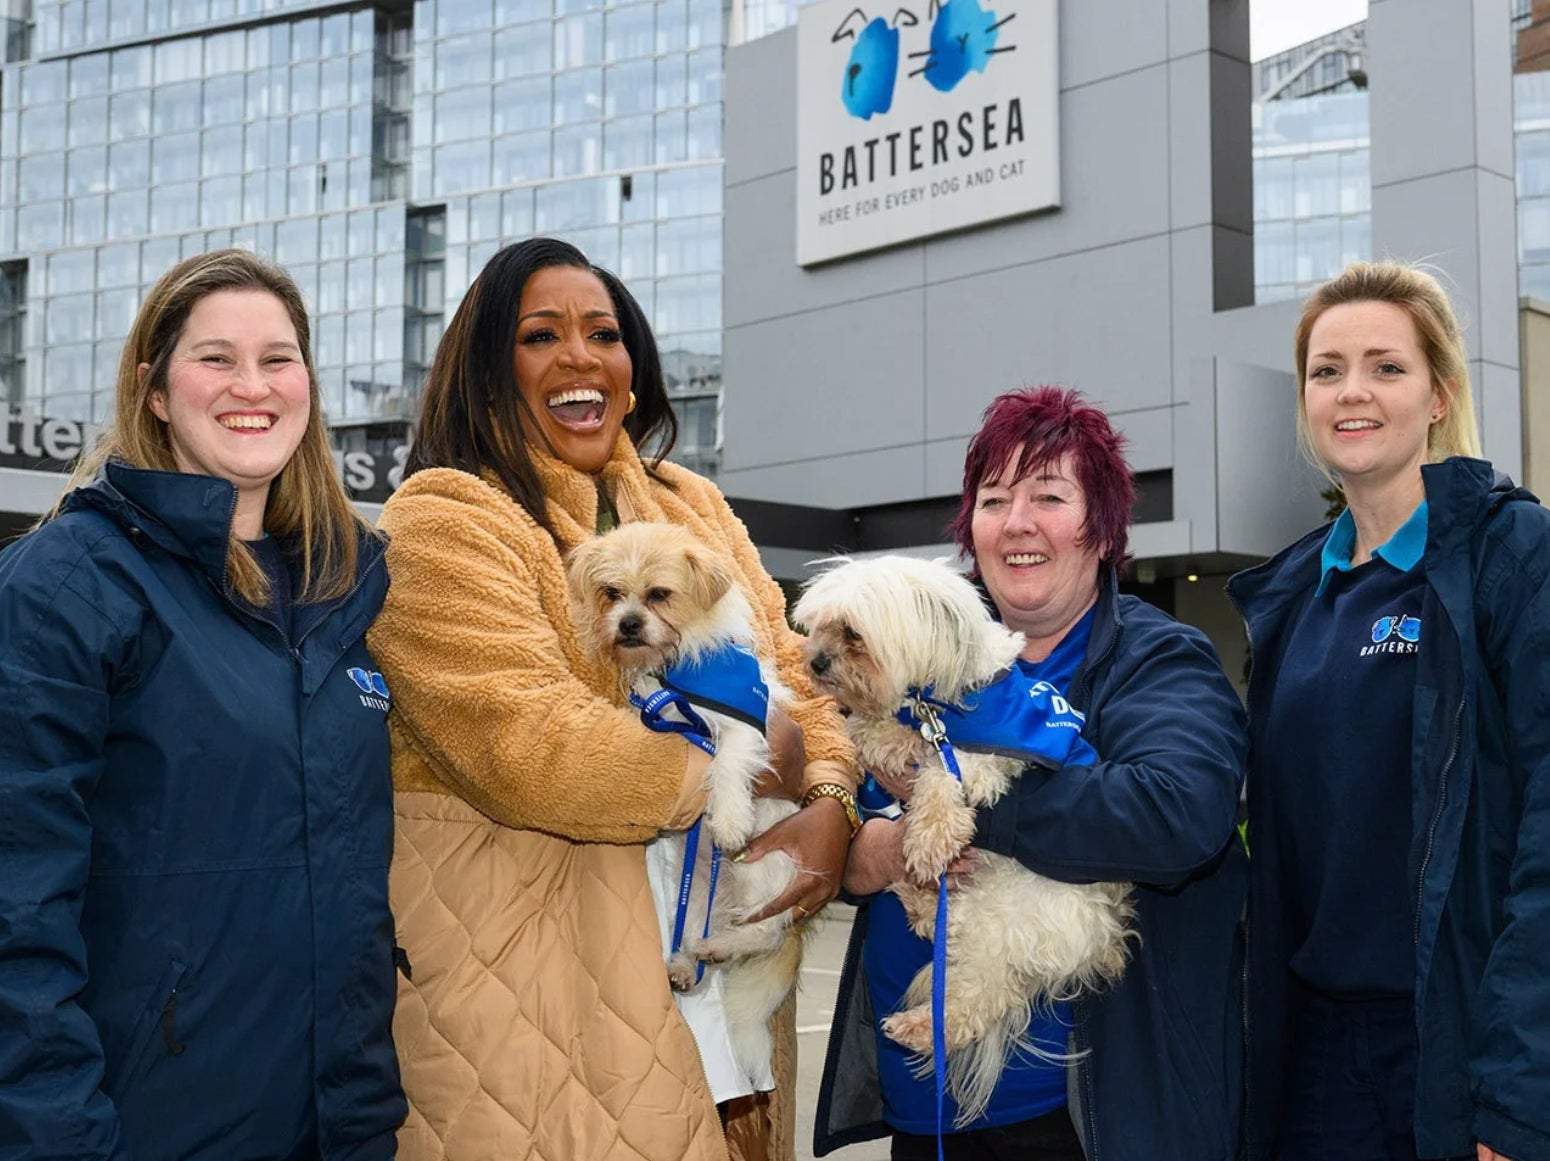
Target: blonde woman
(195, 810)
(1399, 794)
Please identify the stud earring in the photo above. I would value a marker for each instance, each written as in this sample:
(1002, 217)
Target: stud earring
(629, 407)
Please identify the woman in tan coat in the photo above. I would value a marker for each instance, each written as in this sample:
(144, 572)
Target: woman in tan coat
(534, 1017)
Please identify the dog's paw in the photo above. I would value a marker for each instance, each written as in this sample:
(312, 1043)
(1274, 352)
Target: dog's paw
(681, 973)
(911, 1028)
(928, 851)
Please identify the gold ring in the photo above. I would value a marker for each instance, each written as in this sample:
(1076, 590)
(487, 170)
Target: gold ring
(800, 910)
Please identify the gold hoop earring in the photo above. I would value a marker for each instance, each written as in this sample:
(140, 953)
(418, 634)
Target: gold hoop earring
(629, 407)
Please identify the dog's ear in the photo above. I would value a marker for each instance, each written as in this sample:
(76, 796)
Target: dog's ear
(578, 569)
(710, 578)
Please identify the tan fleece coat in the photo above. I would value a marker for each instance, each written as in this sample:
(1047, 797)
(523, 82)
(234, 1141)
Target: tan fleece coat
(538, 1022)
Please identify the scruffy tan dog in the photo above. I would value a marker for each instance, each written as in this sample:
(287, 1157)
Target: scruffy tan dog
(878, 629)
(651, 597)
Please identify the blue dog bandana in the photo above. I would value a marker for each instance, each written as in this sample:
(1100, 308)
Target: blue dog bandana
(727, 682)
(1017, 717)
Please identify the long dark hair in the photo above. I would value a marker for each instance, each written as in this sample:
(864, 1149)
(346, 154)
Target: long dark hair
(473, 416)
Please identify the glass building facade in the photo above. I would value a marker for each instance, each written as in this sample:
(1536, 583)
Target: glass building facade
(1312, 183)
(381, 153)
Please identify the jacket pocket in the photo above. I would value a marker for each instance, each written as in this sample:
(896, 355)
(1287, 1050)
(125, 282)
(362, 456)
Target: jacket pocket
(156, 1033)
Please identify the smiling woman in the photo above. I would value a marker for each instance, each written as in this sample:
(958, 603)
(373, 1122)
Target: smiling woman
(517, 762)
(189, 767)
(1401, 761)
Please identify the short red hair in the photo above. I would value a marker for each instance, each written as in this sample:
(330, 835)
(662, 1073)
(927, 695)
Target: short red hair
(1040, 426)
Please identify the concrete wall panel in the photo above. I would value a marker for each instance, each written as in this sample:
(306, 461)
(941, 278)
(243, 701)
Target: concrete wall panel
(1097, 321)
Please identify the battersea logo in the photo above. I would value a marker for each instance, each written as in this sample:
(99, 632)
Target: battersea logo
(1400, 633)
(374, 690)
(962, 39)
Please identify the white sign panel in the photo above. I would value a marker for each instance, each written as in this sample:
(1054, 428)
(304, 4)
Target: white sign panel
(921, 116)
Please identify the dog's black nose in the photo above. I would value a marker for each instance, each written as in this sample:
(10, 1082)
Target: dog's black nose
(820, 663)
(630, 625)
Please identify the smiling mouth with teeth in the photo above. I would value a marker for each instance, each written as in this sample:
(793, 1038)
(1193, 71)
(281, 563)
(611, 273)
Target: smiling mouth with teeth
(247, 422)
(583, 406)
(1358, 425)
(1016, 558)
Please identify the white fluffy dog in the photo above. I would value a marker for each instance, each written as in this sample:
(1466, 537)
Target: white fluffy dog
(878, 629)
(651, 596)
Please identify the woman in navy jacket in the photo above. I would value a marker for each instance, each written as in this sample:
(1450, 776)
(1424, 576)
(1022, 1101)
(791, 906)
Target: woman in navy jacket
(196, 954)
(1399, 796)
(1156, 1064)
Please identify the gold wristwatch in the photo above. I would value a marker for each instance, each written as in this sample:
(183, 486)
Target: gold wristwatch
(841, 795)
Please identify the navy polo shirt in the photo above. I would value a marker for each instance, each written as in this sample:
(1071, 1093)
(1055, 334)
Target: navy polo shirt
(1337, 766)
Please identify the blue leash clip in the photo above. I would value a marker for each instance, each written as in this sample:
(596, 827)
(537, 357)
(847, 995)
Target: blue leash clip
(692, 728)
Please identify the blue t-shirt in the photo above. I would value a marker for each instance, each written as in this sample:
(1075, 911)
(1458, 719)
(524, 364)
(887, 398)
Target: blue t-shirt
(1338, 767)
(893, 954)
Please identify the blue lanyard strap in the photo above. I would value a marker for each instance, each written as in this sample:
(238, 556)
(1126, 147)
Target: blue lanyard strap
(685, 883)
(692, 728)
(922, 709)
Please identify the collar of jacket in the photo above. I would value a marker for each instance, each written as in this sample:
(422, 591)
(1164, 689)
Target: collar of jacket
(187, 516)
(184, 514)
(1460, 493)
(571, 494)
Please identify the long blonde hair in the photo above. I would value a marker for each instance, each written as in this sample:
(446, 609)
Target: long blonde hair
(306, 502)
(1422, 297)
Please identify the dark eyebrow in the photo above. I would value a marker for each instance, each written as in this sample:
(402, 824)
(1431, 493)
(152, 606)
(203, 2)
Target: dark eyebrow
(549, 313)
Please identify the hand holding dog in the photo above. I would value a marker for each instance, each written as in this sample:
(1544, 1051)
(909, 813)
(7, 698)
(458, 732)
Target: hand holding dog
(877, 859)
(817, 838)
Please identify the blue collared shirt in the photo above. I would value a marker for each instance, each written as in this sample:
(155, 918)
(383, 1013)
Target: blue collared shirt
(1403, 550)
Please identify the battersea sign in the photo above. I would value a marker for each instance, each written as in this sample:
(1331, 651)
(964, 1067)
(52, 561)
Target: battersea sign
(43, 444)
(922, 117)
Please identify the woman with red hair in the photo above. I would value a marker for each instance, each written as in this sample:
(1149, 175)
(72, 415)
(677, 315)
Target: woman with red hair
(1150, 1069)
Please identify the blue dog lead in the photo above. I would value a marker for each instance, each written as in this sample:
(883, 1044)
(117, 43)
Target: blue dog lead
(924, 715)
(694, 729)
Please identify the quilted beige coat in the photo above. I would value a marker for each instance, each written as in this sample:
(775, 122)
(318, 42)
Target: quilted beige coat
(538, 1022)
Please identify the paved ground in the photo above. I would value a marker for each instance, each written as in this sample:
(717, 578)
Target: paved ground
(815, 1008)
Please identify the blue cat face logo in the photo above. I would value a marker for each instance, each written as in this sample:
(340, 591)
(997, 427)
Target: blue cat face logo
(963, 39)
(873, 63)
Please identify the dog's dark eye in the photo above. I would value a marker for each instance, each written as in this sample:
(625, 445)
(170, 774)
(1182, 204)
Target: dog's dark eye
(612, 593)
(657, 596)
(851, 636)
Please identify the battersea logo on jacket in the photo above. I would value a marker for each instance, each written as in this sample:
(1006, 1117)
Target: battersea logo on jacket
(374, 690)
(1399, 633)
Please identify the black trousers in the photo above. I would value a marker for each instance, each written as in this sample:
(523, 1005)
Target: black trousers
(1350, 1093)
(1051, 1137)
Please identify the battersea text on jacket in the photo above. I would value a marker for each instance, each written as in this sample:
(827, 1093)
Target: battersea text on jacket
(1160, 1078)
(196, 954)
(1479, 820)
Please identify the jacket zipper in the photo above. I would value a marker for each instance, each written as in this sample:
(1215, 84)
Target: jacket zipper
(1079, 1034)
(1431, 830)
(1243, 974)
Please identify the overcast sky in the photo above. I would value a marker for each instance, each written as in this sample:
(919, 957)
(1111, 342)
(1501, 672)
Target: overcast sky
(1277, 25)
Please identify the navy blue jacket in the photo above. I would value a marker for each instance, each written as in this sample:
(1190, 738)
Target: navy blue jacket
(196, 953)
(1479, 821)
(1160, 1080)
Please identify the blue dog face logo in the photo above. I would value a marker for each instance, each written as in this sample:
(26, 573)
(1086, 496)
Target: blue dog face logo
(963, 39)
(368, 682)
(873, 62)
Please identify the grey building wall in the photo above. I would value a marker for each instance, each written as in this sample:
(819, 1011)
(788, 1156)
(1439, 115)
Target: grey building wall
(858, 383)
